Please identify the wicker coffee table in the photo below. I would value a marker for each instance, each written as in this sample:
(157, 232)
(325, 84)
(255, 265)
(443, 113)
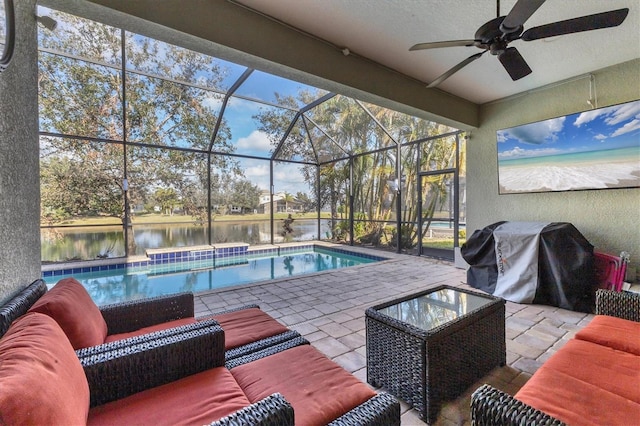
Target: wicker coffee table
(429, 347)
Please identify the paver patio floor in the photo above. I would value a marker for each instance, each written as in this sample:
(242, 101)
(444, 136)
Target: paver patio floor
(328, 309)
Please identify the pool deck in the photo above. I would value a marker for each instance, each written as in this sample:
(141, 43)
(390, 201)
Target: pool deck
(328, 309)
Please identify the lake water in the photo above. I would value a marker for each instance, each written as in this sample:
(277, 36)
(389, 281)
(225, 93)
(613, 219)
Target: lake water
(92, 242)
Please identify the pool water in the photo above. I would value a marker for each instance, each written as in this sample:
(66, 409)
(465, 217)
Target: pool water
(120, 285)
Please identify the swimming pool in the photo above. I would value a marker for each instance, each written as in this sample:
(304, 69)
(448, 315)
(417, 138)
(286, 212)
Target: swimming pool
(129, 283)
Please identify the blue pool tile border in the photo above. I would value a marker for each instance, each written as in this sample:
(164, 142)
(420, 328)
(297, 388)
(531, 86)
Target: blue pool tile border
(352, 253)
(228, 256)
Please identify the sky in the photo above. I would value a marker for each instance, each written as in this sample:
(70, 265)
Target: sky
(239, 114)
(594, 130)
(287, 177)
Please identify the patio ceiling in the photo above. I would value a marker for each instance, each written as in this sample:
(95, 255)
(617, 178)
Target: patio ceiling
(383, 31)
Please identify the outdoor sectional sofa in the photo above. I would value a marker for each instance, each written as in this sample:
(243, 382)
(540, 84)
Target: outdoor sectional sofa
(594, 379)
(164, 378)
(247, 329)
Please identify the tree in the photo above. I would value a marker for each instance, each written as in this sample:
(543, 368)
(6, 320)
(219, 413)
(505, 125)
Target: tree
(81, 96)
(72, 188)
(306, 203)
(287, 198)
(167, 198)
(340, 126)
(244, 194)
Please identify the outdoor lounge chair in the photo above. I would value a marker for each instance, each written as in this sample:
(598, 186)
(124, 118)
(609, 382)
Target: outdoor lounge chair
(592, 379)
(169, 380)
(247, 329)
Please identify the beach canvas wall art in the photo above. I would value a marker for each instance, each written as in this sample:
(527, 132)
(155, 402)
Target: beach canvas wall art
(595, 149)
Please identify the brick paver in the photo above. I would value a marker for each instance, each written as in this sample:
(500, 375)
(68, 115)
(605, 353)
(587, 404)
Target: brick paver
(328, 310)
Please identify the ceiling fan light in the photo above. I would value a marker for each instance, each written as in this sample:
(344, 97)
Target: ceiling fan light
(498, 48)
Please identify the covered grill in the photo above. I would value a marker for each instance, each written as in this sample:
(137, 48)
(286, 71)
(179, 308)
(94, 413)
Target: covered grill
(533, 262)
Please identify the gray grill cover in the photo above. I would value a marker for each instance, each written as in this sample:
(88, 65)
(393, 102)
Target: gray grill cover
(533, 262)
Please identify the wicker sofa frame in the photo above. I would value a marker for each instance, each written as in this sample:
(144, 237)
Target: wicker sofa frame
(128, 316)
(118, 369)
(124, 371)
(381, 410)
(20, 303)
(267, 342)
(491, 407)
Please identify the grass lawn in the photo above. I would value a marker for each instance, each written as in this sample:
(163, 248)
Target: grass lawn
(442, 243)
(178, 218)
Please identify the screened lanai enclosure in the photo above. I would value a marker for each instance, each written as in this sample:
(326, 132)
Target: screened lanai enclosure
(145, 144)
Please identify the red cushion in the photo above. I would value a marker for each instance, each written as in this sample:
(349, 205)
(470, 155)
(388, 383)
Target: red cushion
(41, 379)
(318, 389)
(240, 327)
(588, 384)
(616, 333)
(71, 306)
(150, 329)
(247, 326)
(198, 399)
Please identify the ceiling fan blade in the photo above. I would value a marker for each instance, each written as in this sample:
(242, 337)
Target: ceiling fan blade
(514, 63)
(438, 44)
(455, 69)
(519, 14)
(609, 19)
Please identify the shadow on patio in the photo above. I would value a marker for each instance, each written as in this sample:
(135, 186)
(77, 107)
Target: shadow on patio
(328, 309)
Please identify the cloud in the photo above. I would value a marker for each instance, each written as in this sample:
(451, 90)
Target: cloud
(612, 116)
(213, 101)
(518, 152)
(536, 133)
(514, 153)
(588, 116)
(600, 137)
(257, 142)
(621, 113)
(257, 172)
(243, 106)
(628, 127)
(286, 177)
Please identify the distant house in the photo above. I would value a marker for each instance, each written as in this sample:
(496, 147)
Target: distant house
(279, 204)
(138, 208)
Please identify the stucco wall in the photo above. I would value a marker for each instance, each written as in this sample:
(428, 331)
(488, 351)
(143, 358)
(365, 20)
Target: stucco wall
(609, 219)
(19, 160)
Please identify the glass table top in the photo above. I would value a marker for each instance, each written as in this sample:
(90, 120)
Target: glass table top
(434, 309)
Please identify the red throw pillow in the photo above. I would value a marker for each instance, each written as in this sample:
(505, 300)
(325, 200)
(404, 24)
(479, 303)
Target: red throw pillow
(69, 303)
(41, 379)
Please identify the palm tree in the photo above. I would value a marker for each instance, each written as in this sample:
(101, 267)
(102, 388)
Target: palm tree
(287, 198)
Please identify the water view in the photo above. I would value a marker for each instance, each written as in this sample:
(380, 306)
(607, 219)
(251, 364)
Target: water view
(84, 243)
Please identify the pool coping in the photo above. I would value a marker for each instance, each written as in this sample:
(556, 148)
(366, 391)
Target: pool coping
(166, 256)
